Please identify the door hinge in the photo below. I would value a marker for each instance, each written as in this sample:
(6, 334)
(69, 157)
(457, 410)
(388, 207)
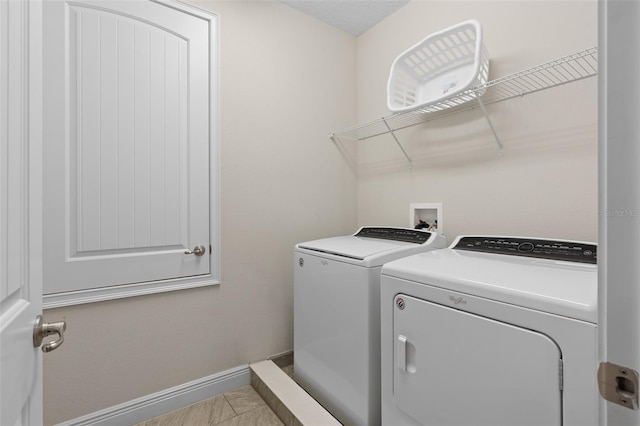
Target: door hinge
(561, 372)
(618, 384)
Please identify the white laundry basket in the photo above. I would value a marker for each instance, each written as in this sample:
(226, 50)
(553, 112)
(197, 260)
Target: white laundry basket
(441, 66)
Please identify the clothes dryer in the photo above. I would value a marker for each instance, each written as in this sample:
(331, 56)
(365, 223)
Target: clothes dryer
(337, 316)
(491, 331)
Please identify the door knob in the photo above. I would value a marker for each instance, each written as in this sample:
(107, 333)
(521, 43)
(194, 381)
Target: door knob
(197, 250)
(43, 329)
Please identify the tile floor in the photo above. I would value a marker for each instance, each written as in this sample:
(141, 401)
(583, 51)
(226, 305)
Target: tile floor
(288, 370)
(240, 407)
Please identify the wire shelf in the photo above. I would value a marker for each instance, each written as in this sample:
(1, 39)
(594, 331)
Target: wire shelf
(564, 70)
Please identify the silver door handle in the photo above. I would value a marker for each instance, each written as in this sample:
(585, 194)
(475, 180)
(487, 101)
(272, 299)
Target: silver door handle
(197, 250)
(43, 329)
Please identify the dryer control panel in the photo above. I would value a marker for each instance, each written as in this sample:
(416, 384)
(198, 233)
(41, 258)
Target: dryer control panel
(568, 251)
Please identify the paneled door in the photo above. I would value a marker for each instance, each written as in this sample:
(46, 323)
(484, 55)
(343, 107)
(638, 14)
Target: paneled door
(20, 207)
(126, 135)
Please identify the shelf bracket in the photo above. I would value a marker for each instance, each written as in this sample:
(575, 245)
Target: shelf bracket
(495, 135)
(398, 142)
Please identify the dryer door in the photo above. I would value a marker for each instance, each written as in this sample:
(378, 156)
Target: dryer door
(456, 368)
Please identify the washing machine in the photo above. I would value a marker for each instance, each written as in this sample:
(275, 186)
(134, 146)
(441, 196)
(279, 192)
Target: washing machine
(337, 316)
(491, 331)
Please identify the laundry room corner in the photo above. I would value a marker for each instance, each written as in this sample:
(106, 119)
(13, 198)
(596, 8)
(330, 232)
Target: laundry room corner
(545, 181)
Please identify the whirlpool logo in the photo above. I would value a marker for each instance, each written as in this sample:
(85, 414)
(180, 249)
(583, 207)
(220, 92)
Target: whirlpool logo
(457, 300)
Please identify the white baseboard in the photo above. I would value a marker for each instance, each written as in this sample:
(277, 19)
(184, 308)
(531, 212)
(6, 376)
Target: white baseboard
(143, 408)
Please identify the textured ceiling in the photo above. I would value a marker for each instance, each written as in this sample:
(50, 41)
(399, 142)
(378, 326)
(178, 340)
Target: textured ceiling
(352, 16)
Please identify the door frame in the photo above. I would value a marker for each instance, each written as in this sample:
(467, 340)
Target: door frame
(618, 204)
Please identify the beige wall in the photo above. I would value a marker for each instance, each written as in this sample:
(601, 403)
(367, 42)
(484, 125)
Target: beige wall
(544, 185)
(287, 80)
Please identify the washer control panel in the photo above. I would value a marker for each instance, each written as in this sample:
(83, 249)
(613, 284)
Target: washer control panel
(569, 251)
(396, 234)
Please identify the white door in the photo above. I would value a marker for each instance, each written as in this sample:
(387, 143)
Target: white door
(619, 199)
(127, 113)
(20, 242)
(474, 370)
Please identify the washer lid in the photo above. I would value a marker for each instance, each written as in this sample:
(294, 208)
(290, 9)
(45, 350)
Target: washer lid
(563, 288)
(354, 247)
